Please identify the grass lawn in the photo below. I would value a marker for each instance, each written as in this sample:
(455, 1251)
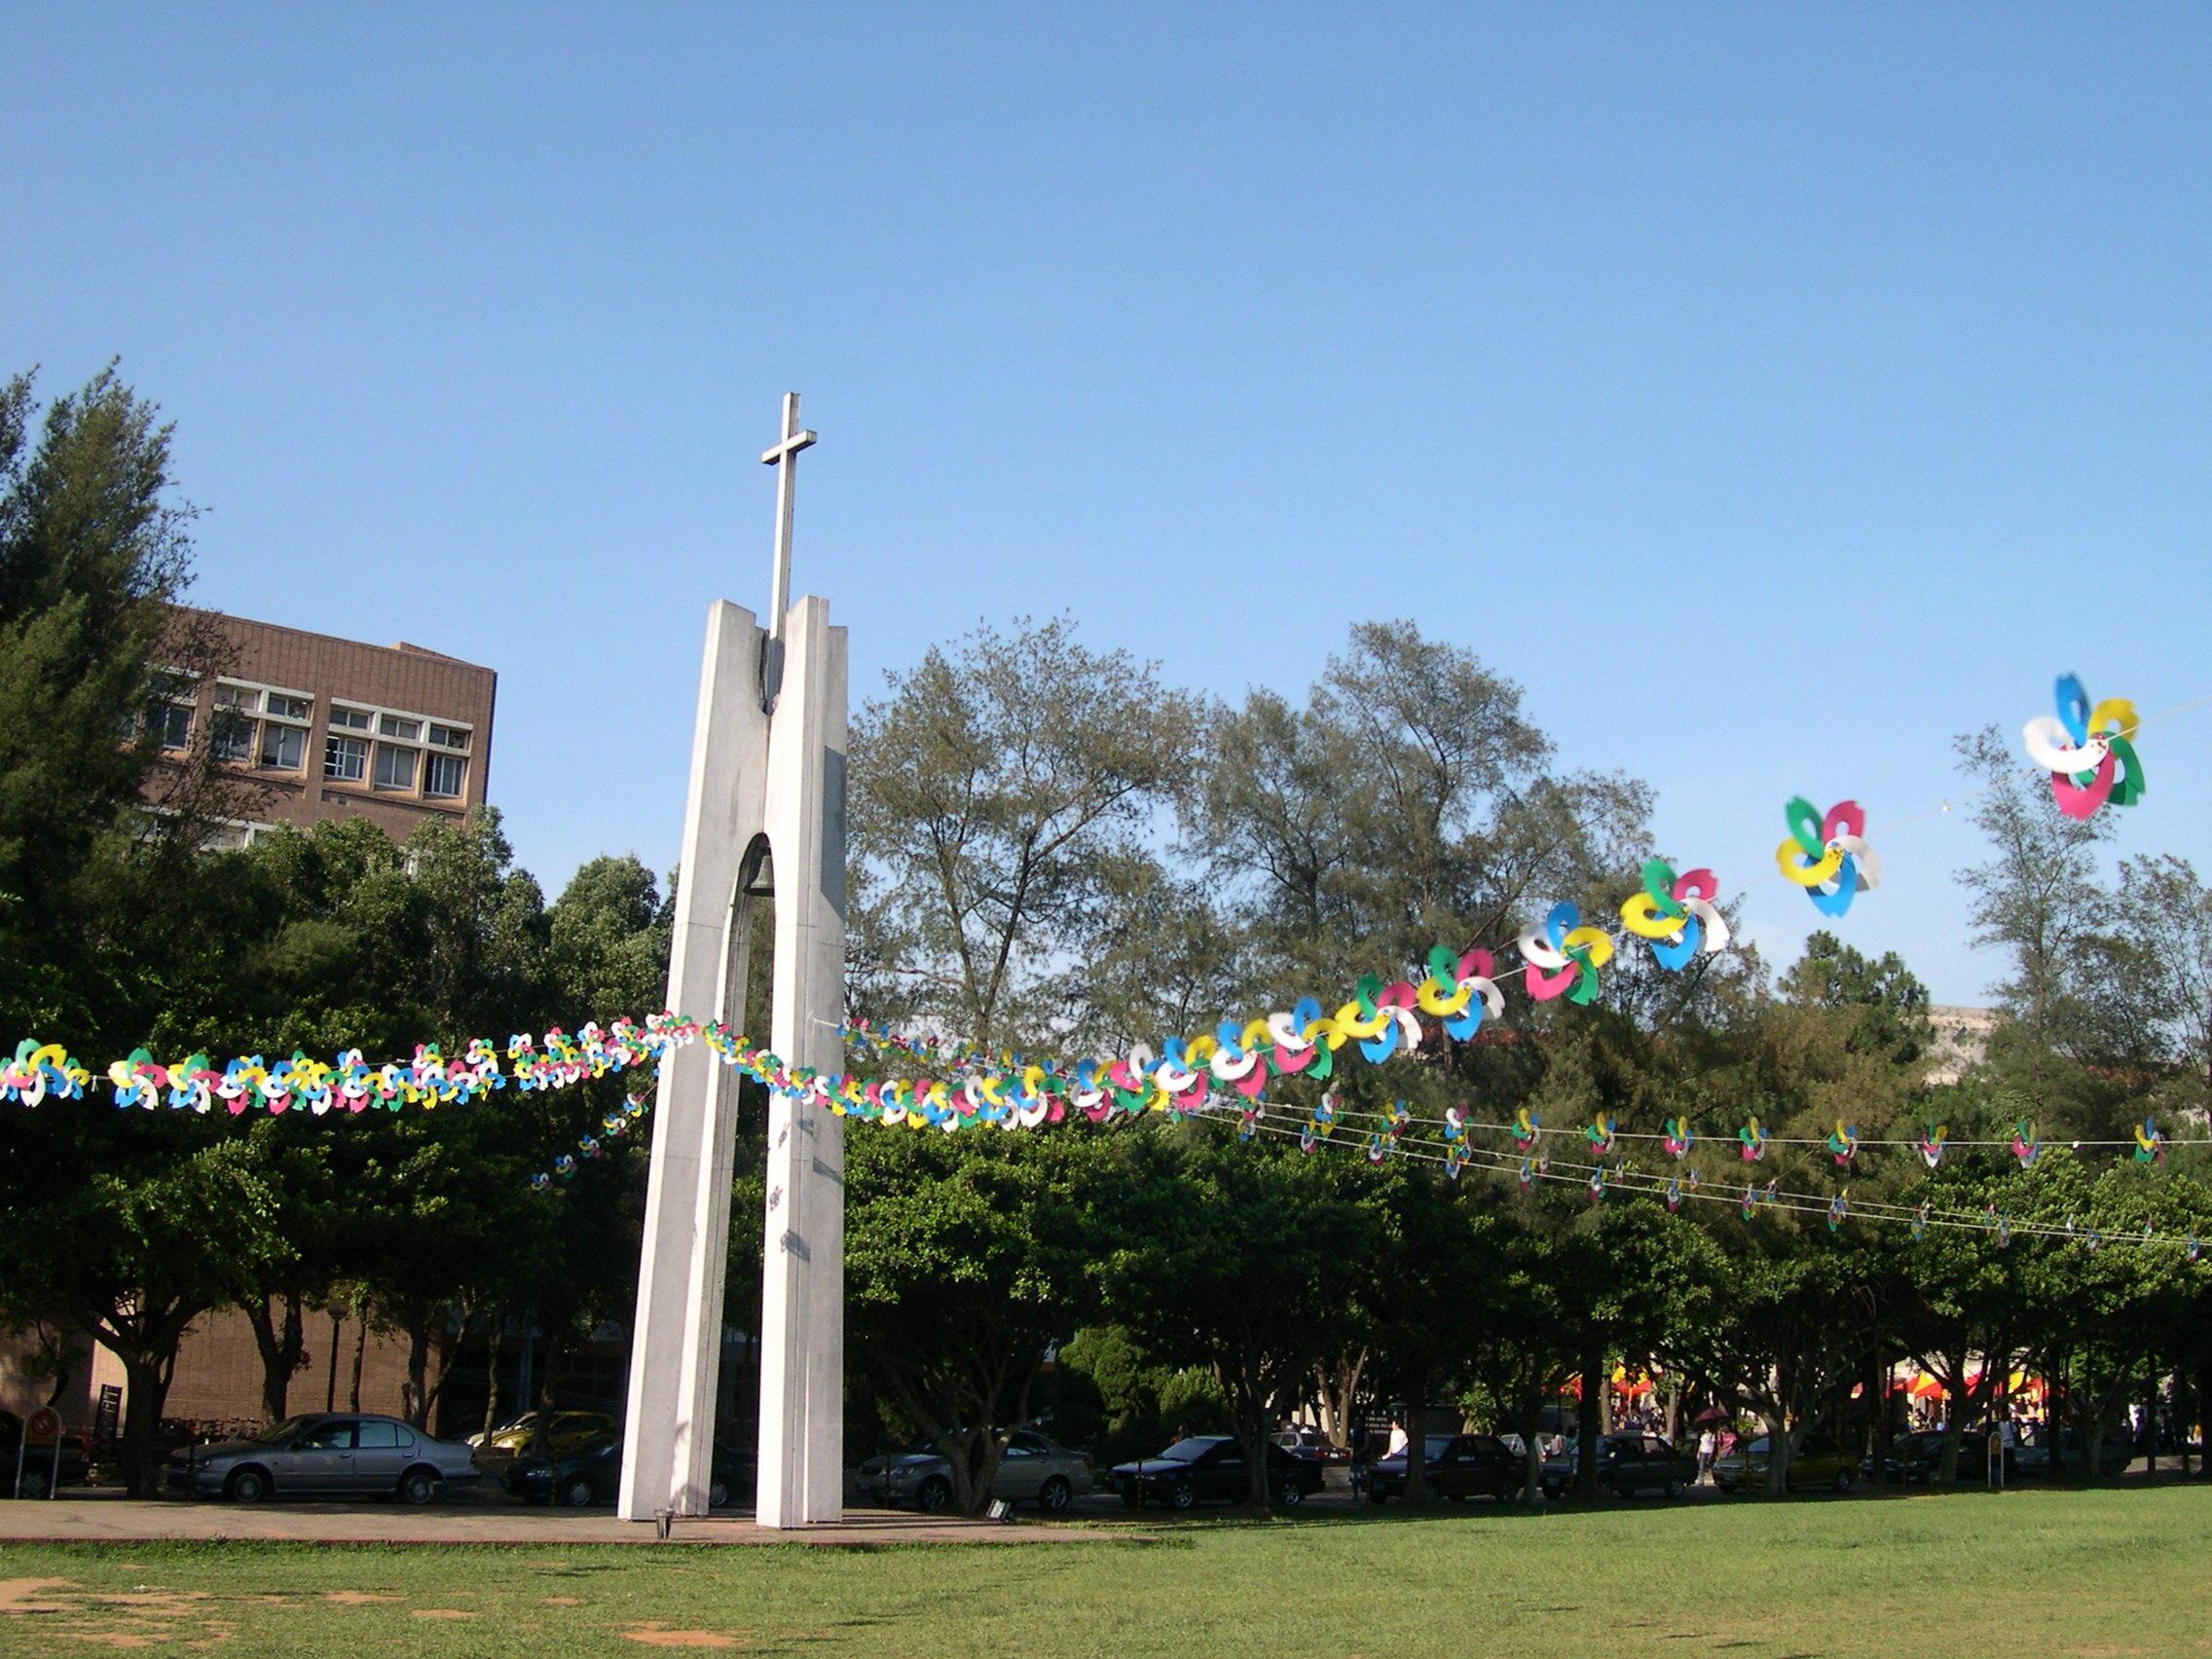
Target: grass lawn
(2049, 1573)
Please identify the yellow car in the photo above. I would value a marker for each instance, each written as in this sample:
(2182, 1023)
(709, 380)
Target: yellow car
(1820, 1462)
(565, 1431)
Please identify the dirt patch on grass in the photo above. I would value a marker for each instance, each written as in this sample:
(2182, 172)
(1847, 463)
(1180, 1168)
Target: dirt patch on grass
(439, 1614)
(559, 1601)
(28, 1594)
(660, 1636)
(110, 1638)
(358, 1598)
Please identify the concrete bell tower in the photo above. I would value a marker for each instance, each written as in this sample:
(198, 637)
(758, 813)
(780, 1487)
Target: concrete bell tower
(764, 814)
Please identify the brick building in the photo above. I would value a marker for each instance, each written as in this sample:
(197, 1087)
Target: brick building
(318, 728)
(329, 728)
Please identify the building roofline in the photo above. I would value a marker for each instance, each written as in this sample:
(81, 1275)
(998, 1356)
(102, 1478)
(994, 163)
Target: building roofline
(313, 634)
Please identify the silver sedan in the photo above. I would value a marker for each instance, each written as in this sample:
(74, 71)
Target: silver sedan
(324, 1455)
(1032, 1470)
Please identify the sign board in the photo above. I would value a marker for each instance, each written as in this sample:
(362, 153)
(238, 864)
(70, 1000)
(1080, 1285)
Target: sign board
(107, 1417)
(43, 1427)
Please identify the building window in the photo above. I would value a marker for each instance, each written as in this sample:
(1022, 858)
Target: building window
(172, 726)
(346, 758)
(238, 697)
(449, 737)
(353, 720)
(289, 708)
(391, 725)
(443, 774)
(230, 736)
(282, 747)
(396, 768)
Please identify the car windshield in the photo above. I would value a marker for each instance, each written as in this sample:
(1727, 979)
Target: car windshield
(282, 1431)
(1190, 1450)
(1436, 1445)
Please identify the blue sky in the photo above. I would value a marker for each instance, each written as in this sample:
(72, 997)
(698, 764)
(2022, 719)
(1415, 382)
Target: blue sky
(1773, 394)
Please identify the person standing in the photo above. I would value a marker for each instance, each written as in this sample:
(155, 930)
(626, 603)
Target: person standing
(1706, 1444)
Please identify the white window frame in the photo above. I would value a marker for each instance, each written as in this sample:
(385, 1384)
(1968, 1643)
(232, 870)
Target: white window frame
(451, 756)
(342, 735)
(374, 736)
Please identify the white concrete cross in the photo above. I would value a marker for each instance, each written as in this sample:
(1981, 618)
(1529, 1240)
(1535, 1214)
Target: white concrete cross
(784, 458)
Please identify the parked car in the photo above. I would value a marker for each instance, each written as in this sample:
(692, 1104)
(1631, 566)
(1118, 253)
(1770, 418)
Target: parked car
(1212, 1467)
(39, 1468)
(1032, 1470)
(565, 1433)
(2033, 1462)
(1627, 1465)
(1820, 1461)
(1312, 1443)
(592, 1473)
(1456, 1466)
(1912, 1459)
(325, 1455)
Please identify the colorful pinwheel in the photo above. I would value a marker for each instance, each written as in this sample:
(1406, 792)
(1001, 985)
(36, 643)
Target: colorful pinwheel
(1829, 857)
(1675, 913)
(1563, 958)
(2089, 753)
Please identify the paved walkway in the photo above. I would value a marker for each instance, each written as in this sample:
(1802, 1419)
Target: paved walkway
(93, 1517)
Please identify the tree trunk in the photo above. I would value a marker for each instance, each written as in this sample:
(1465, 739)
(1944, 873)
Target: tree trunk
(1777, 1421)
(146, 1379)
(1586, 1422)
(1417, 1440)
(1337, 1384)
(1531, 1425)
(360, 1349)
(492, 1376)
(1877, 1396)
(281, 1348)
(2149, 1415)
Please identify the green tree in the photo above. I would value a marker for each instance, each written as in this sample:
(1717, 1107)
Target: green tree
(1000, 812)
(968, 1257)
(1237, 1260)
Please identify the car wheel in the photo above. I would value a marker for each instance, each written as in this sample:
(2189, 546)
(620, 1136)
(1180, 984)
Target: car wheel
(575, 1492)
(1053, 1496)
(247, 1485)
(1843, 1480)
(1185, 1496)
(1674, 1488)
(1376, 1494)
(717, 1494)
(419, 1486)
(1550, 1490)
(934, 1494)
(1290, 1495)
(1622, 1489)
(34, 1482)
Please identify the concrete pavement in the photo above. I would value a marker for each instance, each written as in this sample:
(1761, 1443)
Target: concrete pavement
(95, 1516)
